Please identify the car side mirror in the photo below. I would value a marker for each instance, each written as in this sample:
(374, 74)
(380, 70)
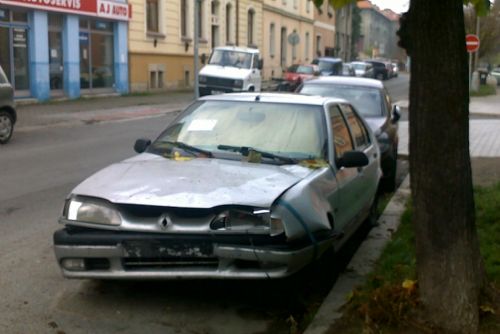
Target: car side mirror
(396, 113)
(141, 145)
(260, 66)
(203, 58)
(353, 159)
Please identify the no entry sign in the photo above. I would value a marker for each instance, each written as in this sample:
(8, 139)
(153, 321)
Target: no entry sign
(472, 42)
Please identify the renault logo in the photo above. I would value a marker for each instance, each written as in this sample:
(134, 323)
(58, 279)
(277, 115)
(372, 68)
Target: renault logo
(164, 221)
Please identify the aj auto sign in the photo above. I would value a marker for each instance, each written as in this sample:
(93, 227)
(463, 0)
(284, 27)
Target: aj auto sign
(100, 8)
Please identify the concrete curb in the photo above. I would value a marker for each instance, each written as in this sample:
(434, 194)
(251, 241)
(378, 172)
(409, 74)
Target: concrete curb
(362, 262)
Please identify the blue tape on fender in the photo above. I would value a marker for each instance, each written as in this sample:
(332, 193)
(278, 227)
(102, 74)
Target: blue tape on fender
(297, 216)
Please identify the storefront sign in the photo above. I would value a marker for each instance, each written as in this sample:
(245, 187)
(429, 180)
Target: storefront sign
(100, 8)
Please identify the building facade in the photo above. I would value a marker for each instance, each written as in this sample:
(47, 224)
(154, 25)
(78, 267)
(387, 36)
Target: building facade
(162, 35)
(377, 32)
(343, 36)
(288, 32)
(324, 31)
(64, 48)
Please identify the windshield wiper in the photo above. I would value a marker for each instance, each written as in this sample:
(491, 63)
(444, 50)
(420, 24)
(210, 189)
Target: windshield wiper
(245, 150)
(188, 148)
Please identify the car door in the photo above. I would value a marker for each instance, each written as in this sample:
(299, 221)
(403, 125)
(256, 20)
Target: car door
(341, 142)
(366, 183)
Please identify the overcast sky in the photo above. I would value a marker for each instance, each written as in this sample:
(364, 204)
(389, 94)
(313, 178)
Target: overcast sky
(399, 6)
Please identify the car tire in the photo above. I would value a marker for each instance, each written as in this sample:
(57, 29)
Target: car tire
(6, 127)
(372, 219)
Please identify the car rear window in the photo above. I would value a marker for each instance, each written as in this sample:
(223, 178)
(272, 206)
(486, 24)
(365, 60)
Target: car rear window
(367, 101)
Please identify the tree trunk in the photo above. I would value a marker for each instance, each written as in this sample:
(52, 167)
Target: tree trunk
(449, 270)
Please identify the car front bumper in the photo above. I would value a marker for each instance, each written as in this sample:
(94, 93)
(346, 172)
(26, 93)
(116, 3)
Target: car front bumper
(130, 255)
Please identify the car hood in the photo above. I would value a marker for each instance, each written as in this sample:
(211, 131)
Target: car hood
(149, 179)
(227, 72)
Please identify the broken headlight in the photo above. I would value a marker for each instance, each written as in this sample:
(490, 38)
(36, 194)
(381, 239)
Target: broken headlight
(255, 221)
(89, 210)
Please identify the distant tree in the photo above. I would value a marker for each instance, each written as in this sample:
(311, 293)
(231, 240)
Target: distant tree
(489, 29)
(449, 266)
(355, 31)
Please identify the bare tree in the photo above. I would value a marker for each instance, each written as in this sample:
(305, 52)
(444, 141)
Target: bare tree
(449, 266)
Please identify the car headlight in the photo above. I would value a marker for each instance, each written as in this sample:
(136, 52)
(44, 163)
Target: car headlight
(202, 79)
(256, 221)
(238, 83)
(88, 210)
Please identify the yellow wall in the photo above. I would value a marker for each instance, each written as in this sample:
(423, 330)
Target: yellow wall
(171, 51)
(287, 15)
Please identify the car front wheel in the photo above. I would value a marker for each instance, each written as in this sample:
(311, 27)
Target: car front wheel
(6, 127)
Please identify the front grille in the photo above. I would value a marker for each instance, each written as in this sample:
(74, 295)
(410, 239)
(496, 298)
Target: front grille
(132, 264)
(220, 82)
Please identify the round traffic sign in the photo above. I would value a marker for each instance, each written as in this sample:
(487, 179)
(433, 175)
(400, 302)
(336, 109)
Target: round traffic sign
(472, 42)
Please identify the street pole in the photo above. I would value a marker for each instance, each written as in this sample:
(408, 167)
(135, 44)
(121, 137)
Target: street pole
(195, 46)
(470, 71)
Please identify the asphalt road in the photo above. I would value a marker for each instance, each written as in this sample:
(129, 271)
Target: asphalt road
(39, 168)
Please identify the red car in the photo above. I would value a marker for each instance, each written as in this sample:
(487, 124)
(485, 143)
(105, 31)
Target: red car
(296, 74)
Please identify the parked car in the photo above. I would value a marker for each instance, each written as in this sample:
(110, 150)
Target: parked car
(224, 192)
(496, 74)
(395, 69)
(8, 116)
(380, 70)
(329, 66)
(362, 69)
(296, 74)
(231, 69)
(348, 70)
(371, 100)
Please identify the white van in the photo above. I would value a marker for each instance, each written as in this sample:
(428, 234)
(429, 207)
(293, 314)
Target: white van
(231, 69)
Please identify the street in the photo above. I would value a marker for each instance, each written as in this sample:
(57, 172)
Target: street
(39, 168)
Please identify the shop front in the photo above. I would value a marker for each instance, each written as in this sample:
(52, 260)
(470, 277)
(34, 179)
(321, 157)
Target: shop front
(51, 48)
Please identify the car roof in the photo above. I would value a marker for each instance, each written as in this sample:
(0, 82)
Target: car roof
(348, 81)
(285, 98)
(235, 48)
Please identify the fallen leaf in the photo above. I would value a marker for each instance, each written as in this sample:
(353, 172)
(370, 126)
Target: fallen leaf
(409, 284)
(487, 309)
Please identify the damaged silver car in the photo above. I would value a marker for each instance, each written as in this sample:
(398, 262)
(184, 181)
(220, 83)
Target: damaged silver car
(246, 186)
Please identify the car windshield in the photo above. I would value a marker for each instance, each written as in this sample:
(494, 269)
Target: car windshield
(366, 100)
(326, 66)
(359, 66)
(293, 131)
(231, 58)
(305, 69)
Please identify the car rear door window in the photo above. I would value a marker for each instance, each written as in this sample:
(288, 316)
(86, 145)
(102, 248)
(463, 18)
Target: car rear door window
(358, 130)
(3, 78)
(341, 137)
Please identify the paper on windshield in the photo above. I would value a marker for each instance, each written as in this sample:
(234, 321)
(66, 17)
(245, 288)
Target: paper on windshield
(202, 125)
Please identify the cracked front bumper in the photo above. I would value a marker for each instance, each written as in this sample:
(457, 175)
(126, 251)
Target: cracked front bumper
(127, 255)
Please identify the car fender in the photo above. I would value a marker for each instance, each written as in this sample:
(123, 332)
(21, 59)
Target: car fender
(305, 208)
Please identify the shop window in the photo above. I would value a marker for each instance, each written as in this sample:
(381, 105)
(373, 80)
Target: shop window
(4, 15)
(152, 12)
(19, 16)
(96, 54)
(55, 51)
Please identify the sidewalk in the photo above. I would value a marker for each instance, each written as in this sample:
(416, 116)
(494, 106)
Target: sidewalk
(99, 109)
